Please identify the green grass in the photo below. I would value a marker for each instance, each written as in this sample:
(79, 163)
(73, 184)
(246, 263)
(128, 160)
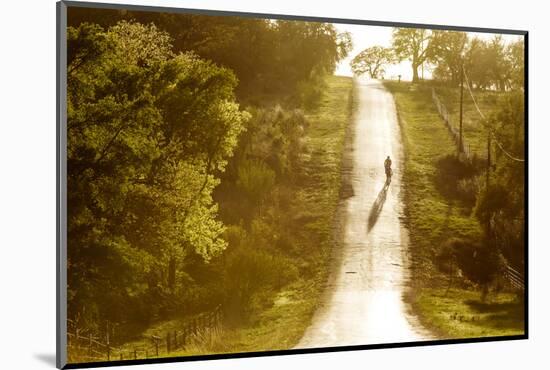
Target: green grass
(281, 323)
(459, 313)
(432, 218)
(475, 135)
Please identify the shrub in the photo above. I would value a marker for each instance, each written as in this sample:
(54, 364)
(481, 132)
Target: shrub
(255, 179)
(479, 262)
(250, 271)
(310, 93)
(457, 179)
(468, 189)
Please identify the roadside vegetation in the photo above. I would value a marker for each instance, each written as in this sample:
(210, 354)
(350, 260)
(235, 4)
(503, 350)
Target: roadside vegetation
(204, 172)
(466, 220)
(278, 316)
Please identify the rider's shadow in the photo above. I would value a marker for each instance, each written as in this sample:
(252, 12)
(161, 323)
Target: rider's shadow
(377, 206)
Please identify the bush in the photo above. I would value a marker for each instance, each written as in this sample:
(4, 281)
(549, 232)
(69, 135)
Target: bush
(479, 262)
(250, 271)
(446, 259)
(468, 189)
(310, 93)
(255, 179)
(235, 236)
(458, 179)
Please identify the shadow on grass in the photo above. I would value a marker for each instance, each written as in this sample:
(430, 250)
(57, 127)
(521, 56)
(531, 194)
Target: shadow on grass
(499, 315)
(488, 307)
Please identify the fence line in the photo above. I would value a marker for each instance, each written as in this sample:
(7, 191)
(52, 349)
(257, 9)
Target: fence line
(515, 278)
(89, 348)
(455, 132)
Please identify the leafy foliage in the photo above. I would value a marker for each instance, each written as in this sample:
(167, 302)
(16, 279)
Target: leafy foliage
(372, 60)
(446, 52)
(274, 60)
(493, 64)
(148, 130)
(411, 44)
(255, 179)
(164, 166)
(479, 262)
(501, 205)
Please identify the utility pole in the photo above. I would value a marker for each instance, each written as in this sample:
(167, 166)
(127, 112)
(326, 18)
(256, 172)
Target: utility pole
(460, 142)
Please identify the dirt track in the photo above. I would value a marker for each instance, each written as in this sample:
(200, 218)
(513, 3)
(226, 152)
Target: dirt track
(364, 302)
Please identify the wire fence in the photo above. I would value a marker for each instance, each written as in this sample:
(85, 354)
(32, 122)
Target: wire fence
(515, 278)
(461, 144)
(84, 346)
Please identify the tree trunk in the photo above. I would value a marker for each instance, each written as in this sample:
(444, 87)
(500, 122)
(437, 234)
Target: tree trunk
(415, 72)
(172, 273)
(484, 292)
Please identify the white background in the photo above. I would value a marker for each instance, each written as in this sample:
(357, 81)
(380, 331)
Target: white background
(27, 182)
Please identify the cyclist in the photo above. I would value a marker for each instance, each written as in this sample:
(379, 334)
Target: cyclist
(387, 167)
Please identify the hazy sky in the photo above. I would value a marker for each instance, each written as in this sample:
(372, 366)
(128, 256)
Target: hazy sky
(367, 36)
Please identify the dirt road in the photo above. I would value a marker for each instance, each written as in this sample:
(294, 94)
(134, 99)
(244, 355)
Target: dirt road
(364, 303)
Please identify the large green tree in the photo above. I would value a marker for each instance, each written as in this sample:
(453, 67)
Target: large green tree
(271, 59)
(372, 61)
(411, 44)
(148, 132)
(446, 52)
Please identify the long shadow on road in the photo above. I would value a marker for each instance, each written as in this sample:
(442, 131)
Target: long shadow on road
(377, 206)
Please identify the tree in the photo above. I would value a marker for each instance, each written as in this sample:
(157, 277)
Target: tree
(501, 206)
(479, 262)
(411, 44)
(516, 60)
(372, 60)
(148, 133)
(477, 62)
(446, 51)
(499, 67)
(271, 59)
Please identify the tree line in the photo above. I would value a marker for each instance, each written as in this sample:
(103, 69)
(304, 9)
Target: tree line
(183, 137)
(490, 64)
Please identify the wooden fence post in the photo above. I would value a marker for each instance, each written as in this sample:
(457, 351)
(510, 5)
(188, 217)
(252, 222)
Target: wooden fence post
(168, 342)
(175, 339)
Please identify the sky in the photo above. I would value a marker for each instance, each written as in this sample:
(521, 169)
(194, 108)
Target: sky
(367, 36)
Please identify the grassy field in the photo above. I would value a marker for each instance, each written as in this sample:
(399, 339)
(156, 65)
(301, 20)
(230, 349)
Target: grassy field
(281, 324)
(432, 217)
(458, 313)
(475, 135)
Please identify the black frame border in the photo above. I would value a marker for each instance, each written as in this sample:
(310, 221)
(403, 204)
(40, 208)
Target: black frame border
(61, 186)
